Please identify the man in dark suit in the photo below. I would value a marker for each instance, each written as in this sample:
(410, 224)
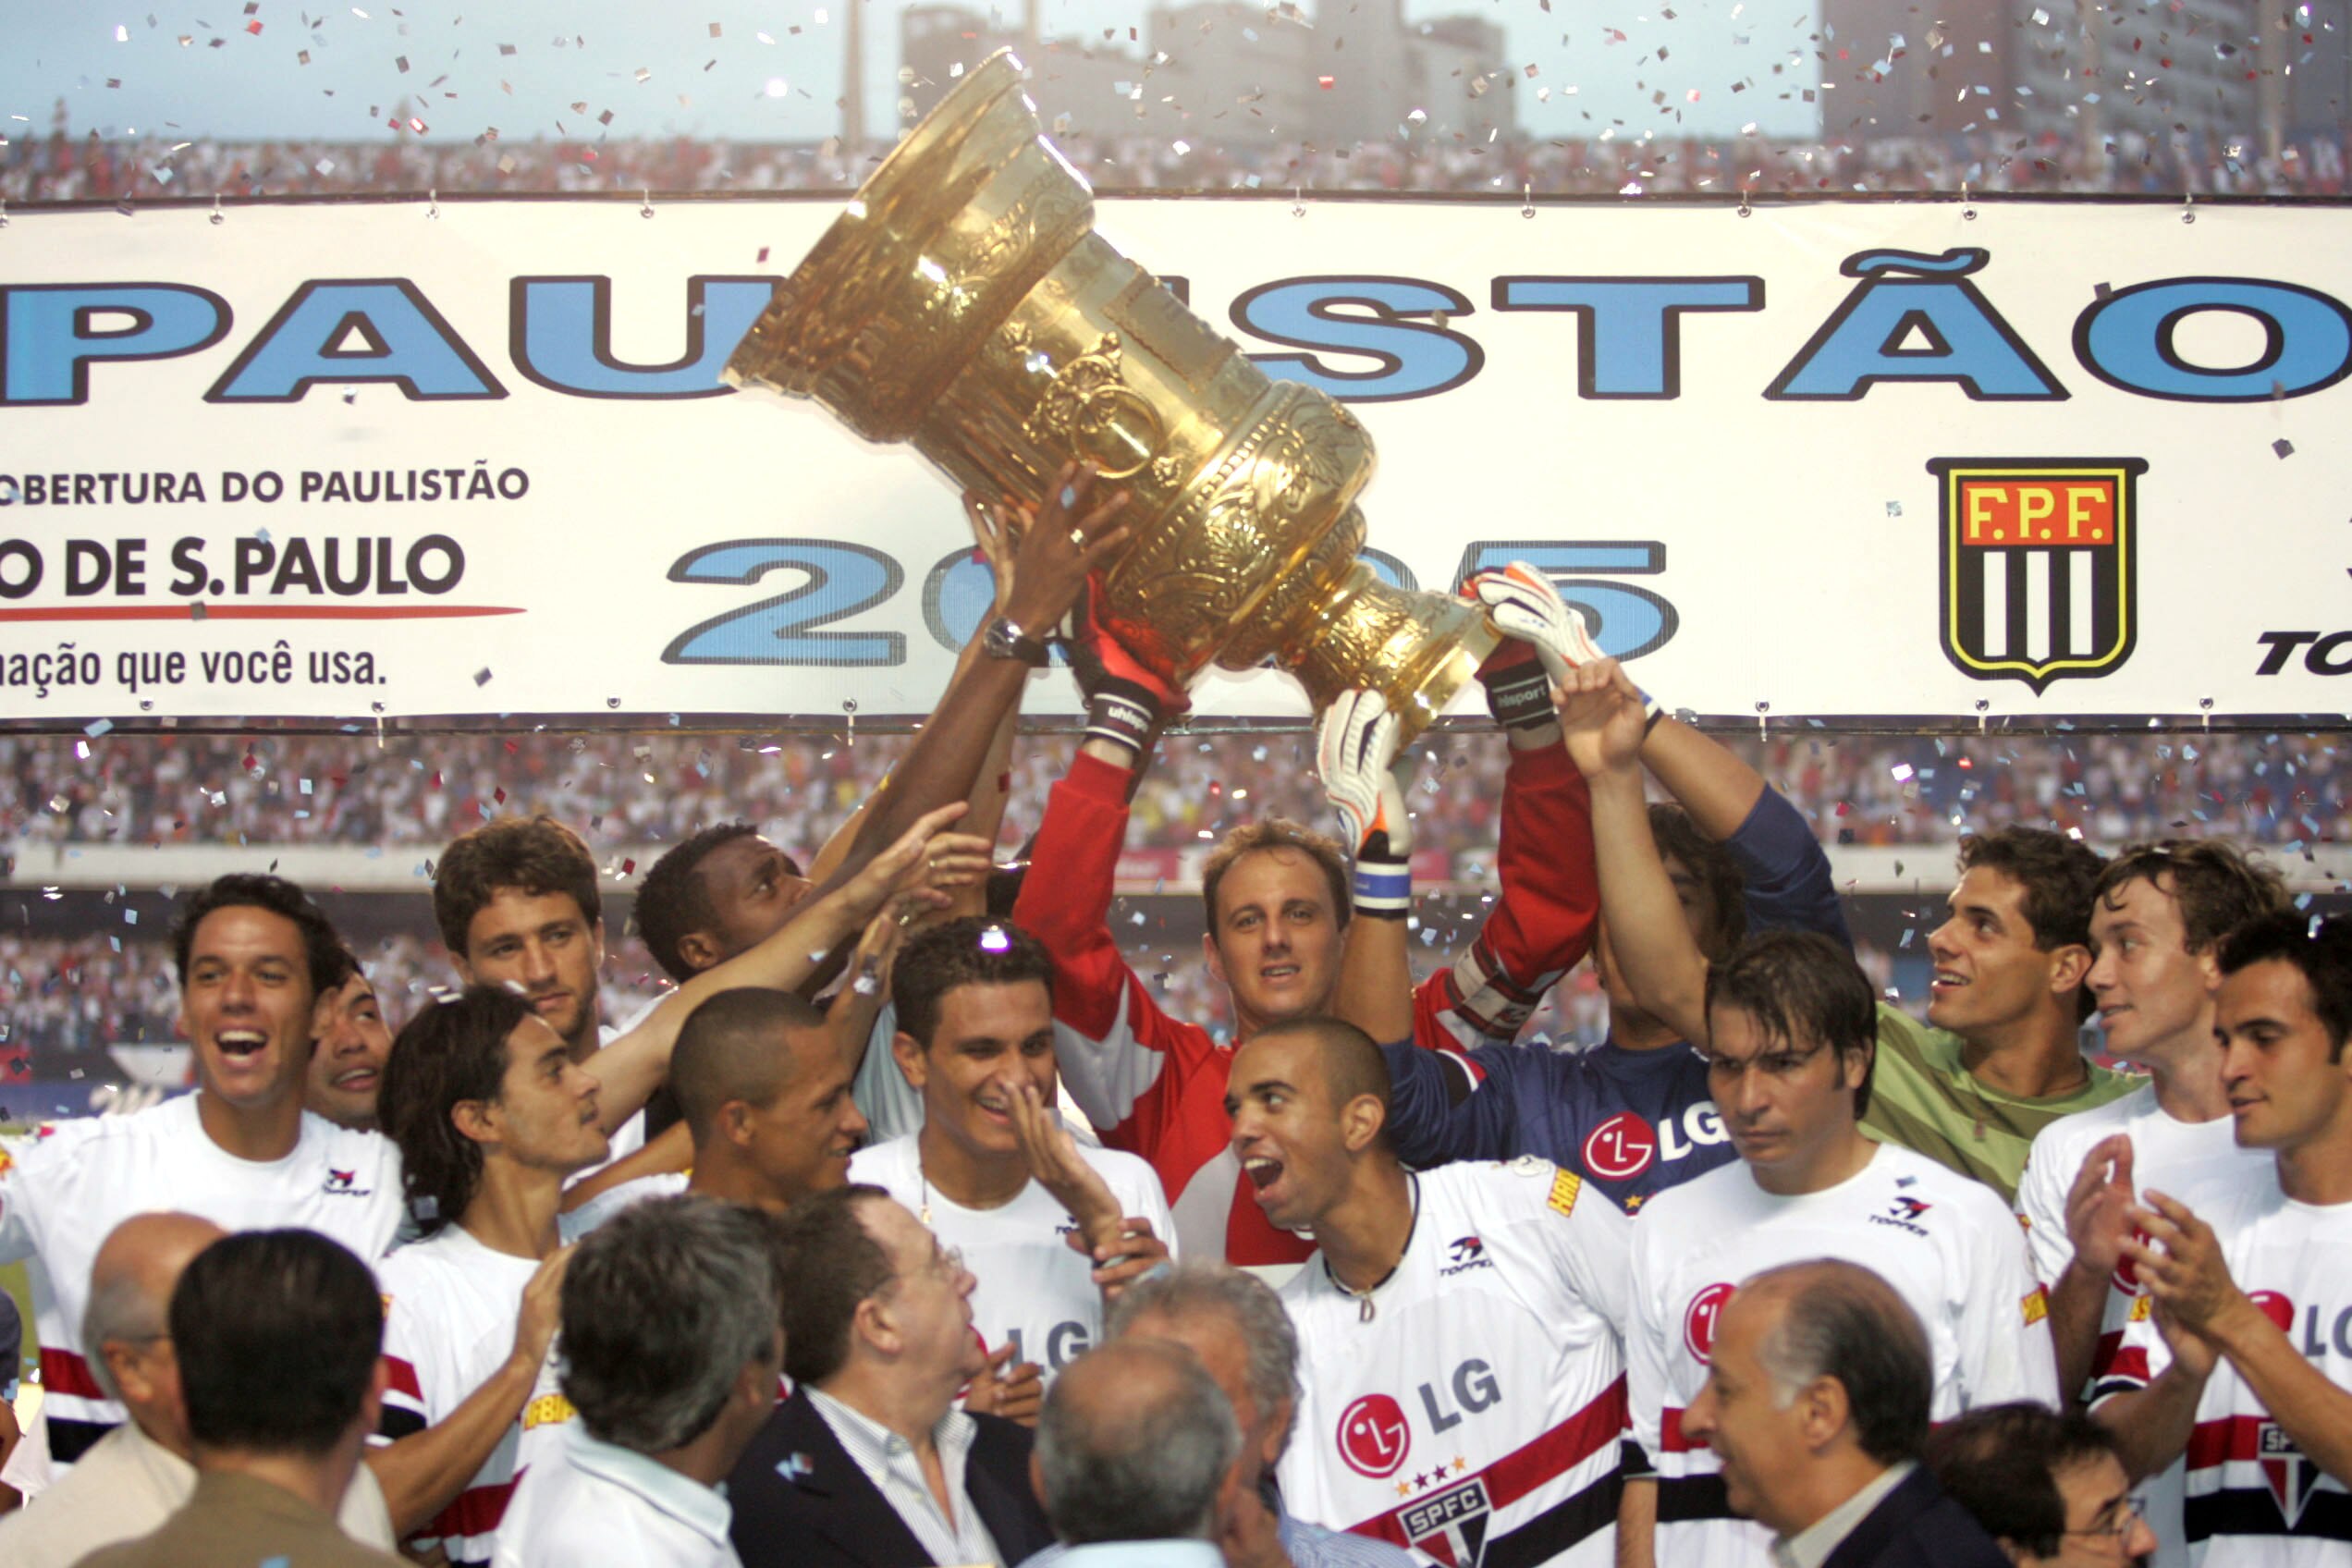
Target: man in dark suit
(1816, 1404)
(870, 1465)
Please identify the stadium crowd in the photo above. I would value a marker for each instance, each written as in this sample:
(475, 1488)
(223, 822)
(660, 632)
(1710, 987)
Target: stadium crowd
(627, 790)
(915, 1224)
(62, 168)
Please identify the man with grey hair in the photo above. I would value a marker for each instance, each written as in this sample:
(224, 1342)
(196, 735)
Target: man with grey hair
(1138, 1459)
(1816, 1407)
(1235, 1323)
(670, 1353)
(141, 1472)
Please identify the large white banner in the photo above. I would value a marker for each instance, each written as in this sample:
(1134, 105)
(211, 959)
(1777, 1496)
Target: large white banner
(1910, 460)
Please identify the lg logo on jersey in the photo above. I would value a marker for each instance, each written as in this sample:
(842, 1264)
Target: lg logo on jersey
(1374, 1436)
(1621, 1147)
(2319, 1337)
(1065, 1342)
(1698, 1320)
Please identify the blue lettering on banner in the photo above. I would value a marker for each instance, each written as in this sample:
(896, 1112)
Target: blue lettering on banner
(1629, 330)
(2126, 339)
(1961, 338)
(1369, 317)
(561, 336)
(1912, 317)
(51, 332)
(356, 330)
(959, 595)
(843, 579)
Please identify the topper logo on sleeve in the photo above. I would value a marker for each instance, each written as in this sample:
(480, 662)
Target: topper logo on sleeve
(1698, 1320)
(1374, 1437)
(1466, 1252)
(344, 1185)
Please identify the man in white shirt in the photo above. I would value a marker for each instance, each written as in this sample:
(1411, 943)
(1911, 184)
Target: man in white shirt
(766, 1096)
(671, 1353)
(869, 1463)
(1463, 1379)
(2241, 1357)
(347, 1064)
(974, 1000)
(492, 1116)
(140, 1474)
(518, 904)
(2157, 921)
(1792, 1027)
(253, 955)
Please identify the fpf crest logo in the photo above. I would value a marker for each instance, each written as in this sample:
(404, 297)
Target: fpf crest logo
(2039, 565)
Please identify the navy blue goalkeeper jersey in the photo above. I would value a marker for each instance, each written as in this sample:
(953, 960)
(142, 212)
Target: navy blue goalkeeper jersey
(1633, 1122)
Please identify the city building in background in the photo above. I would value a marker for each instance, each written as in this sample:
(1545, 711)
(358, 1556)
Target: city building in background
(1238, 74)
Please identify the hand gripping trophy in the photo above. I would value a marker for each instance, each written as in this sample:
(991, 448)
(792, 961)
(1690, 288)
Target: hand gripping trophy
(965, 303)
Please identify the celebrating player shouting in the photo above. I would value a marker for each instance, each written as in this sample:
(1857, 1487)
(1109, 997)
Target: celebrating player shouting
(1792, 1022)
(1277, 902)
(255, 956)
(2245, 1362)
(1463, 1374)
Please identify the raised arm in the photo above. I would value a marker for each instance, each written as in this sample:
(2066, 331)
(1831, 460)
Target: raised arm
(632, 1067)
(424, 1468)
(1542, 923)
(1074, 534)
(1782, 868)
(1365, 780)
(1649, 935)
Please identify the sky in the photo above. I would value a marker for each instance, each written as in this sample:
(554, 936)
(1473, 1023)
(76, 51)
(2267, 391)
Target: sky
(230, 69)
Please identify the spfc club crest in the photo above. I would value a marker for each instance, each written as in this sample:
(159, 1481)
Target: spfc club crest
(1451, 1525)
(2039, 564)
(2292, 1477)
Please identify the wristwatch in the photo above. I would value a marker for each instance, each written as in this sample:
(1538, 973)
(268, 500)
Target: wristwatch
(1003, 639)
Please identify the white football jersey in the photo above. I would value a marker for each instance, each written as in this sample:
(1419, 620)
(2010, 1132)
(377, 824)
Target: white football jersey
(2194, 1162)
(67, 1191)
(1946, 1244)
(450, 1310)
(2252, 1496)
(1478, 1410)
(1035, 1290)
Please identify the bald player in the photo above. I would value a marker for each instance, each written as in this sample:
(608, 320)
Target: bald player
(1498, 1288)
(765, 1092)
(140, 1474)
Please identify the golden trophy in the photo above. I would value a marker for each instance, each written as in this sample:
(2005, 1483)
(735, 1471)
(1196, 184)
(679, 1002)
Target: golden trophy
(965, 303)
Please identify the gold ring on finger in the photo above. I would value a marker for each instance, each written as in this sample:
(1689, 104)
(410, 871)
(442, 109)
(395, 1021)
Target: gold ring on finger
(1078, 538)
